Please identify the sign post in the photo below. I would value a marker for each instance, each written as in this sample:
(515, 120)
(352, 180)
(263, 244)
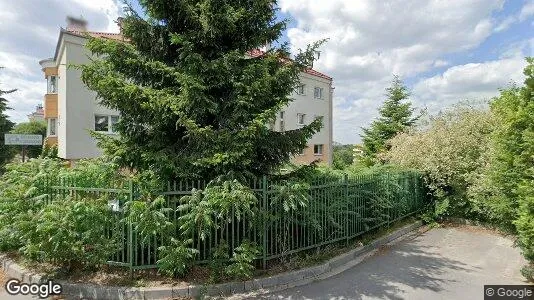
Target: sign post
(23, 140)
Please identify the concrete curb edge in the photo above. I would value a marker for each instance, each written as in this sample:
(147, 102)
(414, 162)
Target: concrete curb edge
(276, 282)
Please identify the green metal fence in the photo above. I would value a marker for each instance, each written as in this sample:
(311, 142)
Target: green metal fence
(338, 210)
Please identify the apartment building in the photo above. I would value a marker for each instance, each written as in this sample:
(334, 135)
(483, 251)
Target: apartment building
(72, 111)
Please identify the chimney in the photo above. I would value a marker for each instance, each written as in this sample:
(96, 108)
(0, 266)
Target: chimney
(76, 24)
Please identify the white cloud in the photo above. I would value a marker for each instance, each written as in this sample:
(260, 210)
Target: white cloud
(371, 40)
(527, 10)
(29, 31)
(473, 81)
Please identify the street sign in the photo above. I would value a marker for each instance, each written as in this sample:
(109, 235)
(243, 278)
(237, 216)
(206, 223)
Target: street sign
(23, 139)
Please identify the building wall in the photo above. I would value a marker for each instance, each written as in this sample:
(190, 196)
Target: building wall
(62, 116)
(77, 106)
(80, 106)
(311, 107)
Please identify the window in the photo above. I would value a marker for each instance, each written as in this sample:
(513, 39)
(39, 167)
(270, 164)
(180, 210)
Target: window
(318, 149)
(301, 152)
(318, 93)
(52, 127)
(301, 89)
(301, 119)
(282, 125)
(52, 84)
(105, 123)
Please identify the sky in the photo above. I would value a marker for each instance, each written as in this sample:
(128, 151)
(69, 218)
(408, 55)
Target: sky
(445, 51)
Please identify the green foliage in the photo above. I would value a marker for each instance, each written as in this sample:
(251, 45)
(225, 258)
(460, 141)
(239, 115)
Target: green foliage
(450, 150)
(5, 127)
(177, 257)
(49, 151)
(396, 116)
(290, 196)
(149, 218)
(193, 104)
(219, 260)
(242, 266)
(32, 127)
(222, 200)
(512, 159)
(528, 272)
(343, 156)
(20, 188)
(65, 234)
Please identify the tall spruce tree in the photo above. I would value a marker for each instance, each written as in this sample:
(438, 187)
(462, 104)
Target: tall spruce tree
(396, 115)
(192, 102)
(6, 153)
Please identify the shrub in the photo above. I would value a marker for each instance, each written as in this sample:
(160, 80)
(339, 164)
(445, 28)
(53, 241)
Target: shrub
(20, 187)
(65, 234)
(242, 266)
(177, 257)
(449, 151)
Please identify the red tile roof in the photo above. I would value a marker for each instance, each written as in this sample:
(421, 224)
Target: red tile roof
(258, 52)
(119, 37)
(106, 35)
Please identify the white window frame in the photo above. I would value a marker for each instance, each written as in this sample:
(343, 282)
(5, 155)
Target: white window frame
(318, 147)
(301, 89)
(318, 92)
(49, 84)
(301, 119)
(49, 126)
(110, 124)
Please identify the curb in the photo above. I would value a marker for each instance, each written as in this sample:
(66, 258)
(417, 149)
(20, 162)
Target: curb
(277, 282)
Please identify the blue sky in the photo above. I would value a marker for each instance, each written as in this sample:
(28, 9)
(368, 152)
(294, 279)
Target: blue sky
(446, 51)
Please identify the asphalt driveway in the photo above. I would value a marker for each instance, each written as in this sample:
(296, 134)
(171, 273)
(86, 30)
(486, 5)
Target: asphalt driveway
(443, 263)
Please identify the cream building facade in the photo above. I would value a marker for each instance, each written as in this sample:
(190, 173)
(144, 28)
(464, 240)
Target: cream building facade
(72, 111)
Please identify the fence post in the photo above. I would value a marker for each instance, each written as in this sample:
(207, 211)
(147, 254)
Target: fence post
(264, 221)
(346, 195)
(130, 230)
(390, 202)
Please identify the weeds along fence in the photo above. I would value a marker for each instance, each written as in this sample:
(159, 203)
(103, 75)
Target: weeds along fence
(337, 209)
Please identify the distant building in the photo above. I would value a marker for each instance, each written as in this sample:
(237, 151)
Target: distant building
(71, 110)
(38, 114)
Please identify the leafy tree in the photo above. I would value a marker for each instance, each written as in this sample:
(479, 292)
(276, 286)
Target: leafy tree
(451, 151)
(396, 115)
(343, 156)
(32, 127)
(512, 169)
(5, 126)
(192, 102)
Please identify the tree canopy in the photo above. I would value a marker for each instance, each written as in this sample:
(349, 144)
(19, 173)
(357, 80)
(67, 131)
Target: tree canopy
(192, 102)
(32, 127)
(5, 126)
(396, 115)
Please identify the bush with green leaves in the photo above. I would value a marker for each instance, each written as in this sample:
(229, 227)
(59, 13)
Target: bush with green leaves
(242, 261)
(177, 257)
(20, 189)
(149, 218)
(449, 149)
(65, 234)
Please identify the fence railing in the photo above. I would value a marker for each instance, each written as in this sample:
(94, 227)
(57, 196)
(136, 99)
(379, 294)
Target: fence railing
(337, 210)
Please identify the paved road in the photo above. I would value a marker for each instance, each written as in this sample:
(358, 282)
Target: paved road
(443, 263)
